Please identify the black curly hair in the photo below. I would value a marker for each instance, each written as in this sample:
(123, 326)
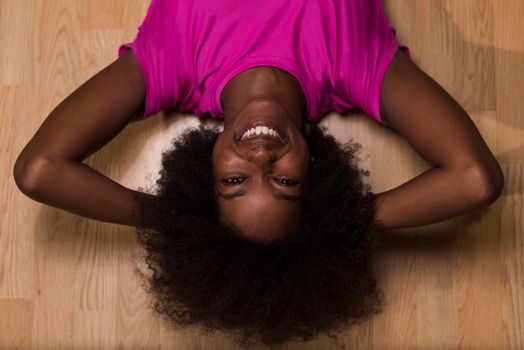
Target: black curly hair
(313, 280)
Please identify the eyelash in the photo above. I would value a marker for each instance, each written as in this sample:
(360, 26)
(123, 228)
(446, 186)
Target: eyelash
(292, 183)
(227, 182)
(280, 181)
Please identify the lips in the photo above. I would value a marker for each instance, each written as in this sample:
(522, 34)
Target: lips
(261, 131)
(282, 137)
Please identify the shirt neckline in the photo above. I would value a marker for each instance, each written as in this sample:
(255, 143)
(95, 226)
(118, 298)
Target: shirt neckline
(238, 66)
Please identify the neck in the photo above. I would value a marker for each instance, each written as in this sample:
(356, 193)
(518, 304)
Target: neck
(261, 91)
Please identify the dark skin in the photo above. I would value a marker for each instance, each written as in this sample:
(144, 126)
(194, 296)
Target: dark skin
(249, 174)
(465, 175)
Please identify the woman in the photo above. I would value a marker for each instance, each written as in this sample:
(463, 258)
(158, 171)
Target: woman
(265, 227)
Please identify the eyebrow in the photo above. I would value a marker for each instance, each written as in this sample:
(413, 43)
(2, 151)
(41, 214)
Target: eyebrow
(276, 195)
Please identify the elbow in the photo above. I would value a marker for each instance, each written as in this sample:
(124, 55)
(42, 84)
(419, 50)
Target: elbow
(489, 186)
(26, 174)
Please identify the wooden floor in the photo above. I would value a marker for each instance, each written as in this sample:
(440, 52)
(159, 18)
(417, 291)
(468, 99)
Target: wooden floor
(67, 281)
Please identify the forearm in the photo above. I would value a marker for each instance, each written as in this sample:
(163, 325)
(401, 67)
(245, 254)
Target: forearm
(435, 195)
(75, 187)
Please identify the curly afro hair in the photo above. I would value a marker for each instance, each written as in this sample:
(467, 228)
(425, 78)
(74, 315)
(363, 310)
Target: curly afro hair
(313, 280)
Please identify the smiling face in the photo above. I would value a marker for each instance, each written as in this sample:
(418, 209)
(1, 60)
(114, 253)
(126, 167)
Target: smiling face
(260, 177)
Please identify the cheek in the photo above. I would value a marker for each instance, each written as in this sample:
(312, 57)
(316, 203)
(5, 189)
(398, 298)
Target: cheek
(305, 161)
(222, 155)
(215, 158)
(217, 148)
(304, 152)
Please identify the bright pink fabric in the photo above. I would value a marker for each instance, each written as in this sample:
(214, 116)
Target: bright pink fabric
(338, 50)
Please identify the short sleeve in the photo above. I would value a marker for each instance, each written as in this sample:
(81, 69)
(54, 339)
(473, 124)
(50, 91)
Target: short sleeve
(153, 51)
(375, 46)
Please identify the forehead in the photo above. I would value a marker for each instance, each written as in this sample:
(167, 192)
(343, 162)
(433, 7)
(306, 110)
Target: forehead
(253, 216)
(257, 199)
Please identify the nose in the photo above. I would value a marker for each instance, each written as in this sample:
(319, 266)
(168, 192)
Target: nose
(261, 155)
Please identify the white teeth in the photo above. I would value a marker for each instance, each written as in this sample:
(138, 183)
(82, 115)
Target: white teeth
(260, 130)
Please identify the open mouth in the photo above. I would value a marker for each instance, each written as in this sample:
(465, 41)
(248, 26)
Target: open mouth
(261, 131)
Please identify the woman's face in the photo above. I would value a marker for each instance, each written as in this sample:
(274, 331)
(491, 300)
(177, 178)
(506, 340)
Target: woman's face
(260, 179)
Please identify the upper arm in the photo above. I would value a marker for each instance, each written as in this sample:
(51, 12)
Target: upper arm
(91, 115)
(433, 122)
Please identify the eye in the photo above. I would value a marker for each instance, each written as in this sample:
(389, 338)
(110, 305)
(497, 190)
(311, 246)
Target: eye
(233, 180)
(286, 182)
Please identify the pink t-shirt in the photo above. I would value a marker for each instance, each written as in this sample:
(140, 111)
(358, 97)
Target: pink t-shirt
(338, 50)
